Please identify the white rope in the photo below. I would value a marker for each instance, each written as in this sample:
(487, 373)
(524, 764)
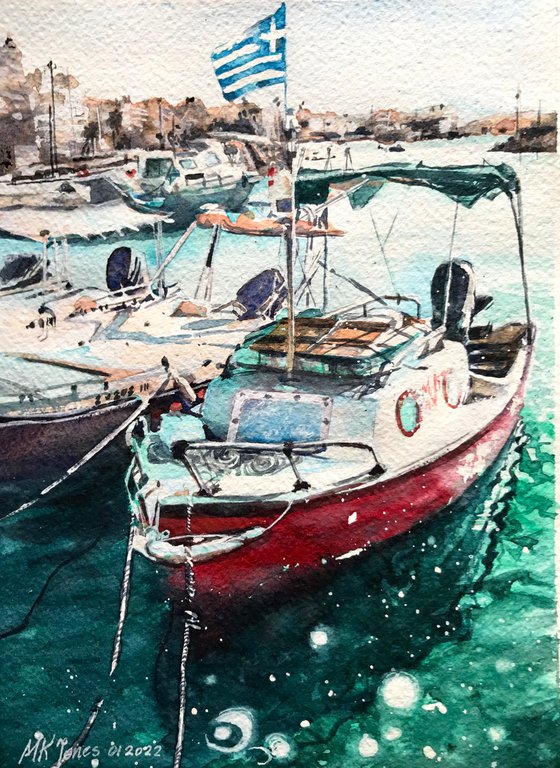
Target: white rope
(68, 753)
(125, 590)
(191, 622)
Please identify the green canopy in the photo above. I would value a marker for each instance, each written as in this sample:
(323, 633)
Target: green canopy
(466, 184)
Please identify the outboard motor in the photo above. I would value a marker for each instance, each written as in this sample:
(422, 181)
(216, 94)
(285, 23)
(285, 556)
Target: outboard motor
(453, 286)
(262, 296)
(124, 269)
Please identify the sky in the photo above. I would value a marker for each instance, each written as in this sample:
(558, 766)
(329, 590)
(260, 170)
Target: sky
(346, 55)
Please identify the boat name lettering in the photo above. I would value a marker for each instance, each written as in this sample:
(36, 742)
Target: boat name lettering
(435, 384)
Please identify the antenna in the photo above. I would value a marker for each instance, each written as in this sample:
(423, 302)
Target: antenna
(72, 128)
(517, 97)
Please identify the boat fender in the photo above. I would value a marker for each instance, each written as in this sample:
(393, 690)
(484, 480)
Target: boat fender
(159, 548)
(452, 393)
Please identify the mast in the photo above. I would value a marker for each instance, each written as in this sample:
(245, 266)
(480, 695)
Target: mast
(54, 162)
(161, 134)
(98, 130)
(72, 131)
(51, 154)
(207, 275)
(291, 240)
(173, 143)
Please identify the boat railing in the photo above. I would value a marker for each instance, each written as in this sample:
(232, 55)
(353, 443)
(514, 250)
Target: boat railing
(184, 449)
(366, 305)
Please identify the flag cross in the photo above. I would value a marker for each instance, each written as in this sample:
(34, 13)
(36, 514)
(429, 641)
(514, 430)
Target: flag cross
(273, 35)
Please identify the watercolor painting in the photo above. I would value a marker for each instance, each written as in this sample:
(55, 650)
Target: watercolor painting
(276, 397)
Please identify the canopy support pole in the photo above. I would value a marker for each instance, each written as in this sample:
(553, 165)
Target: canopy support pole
(56, 263)
(450, 262)
(65, 260)
(45, 259)
(325, 276)
(518, 219)
(173, 252)
(207, 271)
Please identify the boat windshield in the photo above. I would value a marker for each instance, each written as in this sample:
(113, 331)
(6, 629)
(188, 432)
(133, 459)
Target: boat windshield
(210, 159)
(157, 166)
(187, 163)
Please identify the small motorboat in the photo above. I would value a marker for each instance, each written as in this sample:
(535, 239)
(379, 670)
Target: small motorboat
(84, 361)
(179, 183)
(328, 433)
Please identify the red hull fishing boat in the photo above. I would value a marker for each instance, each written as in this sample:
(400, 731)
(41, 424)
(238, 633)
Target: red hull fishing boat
(326, 434)
(328, 527)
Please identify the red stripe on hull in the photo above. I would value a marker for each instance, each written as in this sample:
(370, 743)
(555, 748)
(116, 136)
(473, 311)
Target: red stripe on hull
(320, 530)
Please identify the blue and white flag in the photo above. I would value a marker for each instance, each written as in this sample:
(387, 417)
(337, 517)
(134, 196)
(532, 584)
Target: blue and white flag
(256, 60)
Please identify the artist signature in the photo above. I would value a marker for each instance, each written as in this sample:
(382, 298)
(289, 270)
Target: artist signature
(59, 750)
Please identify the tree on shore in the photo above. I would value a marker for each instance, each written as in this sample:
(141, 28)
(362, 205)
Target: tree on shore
(91, 134)
(114, 123)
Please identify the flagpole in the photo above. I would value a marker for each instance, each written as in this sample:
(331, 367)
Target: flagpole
(291, 240)
(236, 77)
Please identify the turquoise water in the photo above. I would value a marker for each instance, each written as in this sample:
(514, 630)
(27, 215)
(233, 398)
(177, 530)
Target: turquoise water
(436, 648)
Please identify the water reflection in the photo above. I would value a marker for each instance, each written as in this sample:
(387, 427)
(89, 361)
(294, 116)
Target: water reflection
(318, 657)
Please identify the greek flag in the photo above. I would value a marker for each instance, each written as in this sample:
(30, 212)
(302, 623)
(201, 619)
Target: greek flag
(256, 60)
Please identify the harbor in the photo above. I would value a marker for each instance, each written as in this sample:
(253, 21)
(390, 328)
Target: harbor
(132, 717)
(276, 426)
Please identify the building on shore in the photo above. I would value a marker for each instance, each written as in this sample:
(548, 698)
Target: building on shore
(17, 129)
(324, 125)
(59, 113)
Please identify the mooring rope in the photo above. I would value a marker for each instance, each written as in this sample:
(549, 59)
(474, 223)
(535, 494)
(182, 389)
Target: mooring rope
(125, 593)
(68, 753)
(93, 451)
(191, 622)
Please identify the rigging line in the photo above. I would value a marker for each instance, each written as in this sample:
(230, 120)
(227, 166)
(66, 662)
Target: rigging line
(357, 285)
(388, 235)
(309, 274)
(382, 249)
(448, 284)
(325, 276)
(93, 451)
(26, 619)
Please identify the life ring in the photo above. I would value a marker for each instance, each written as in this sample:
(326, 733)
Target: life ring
(451, 402)
(408, 413)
